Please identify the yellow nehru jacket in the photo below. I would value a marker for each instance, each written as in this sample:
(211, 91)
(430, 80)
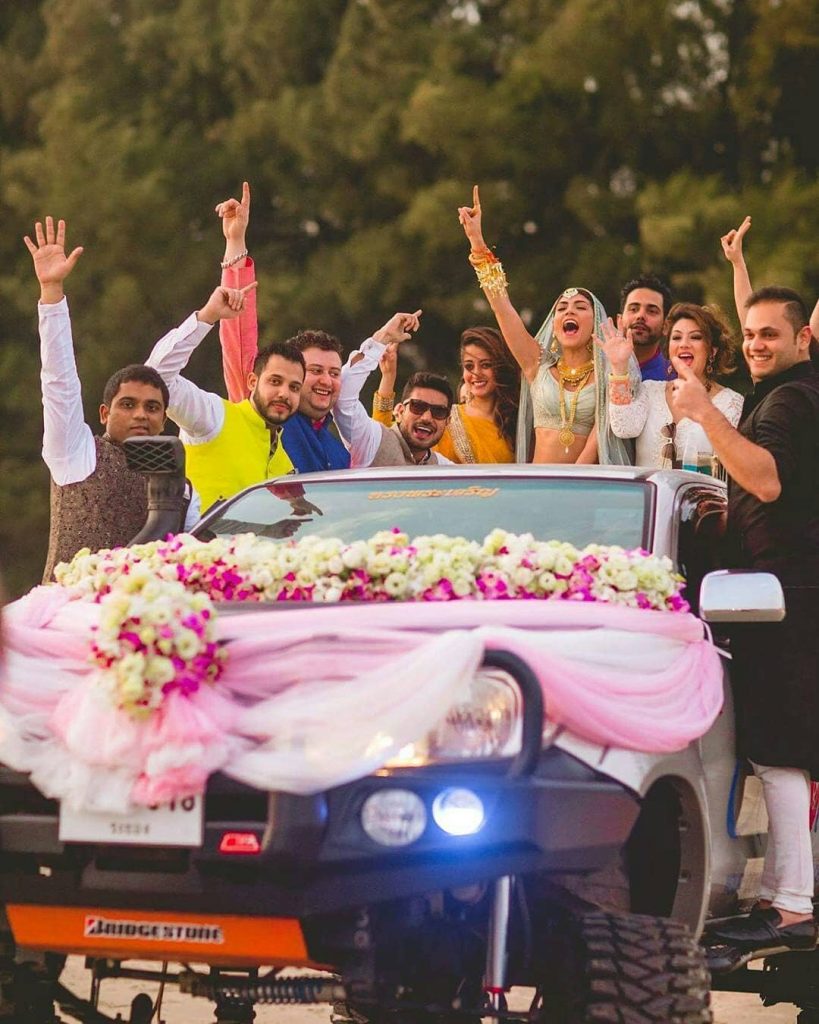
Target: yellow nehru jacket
(237, 457)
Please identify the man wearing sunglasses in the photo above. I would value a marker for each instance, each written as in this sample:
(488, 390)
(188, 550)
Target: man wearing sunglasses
(420, 417)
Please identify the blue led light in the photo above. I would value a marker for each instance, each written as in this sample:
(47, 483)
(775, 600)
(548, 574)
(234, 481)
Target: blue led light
(458, 811)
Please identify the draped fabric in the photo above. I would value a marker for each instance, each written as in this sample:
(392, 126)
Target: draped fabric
(472, 439)
(315, 696)
(611, 450)
(311, 448)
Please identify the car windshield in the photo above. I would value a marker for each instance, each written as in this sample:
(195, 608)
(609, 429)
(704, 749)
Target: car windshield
(603, 511)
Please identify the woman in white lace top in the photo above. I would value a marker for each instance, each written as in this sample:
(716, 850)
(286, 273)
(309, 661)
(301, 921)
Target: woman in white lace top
(699, 339)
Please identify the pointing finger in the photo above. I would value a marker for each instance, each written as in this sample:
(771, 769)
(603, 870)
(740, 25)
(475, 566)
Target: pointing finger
(248, 288)
(743, 227)
(38, 233)
(61, 232)
(246, 195)
(476, 198)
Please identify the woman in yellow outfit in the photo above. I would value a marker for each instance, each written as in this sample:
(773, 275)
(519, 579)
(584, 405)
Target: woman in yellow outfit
(482, 427)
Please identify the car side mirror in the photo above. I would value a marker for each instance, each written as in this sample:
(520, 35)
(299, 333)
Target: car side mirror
(729, 595)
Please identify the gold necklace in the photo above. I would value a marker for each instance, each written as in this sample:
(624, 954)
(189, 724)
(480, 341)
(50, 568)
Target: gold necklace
(569, 374)
(566, 434)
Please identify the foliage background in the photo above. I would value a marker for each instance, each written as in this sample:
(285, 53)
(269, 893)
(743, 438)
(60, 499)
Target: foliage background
(607, 138)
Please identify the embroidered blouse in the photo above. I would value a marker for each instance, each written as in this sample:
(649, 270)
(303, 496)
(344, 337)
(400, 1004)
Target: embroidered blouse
(545, 393)
(647, 413)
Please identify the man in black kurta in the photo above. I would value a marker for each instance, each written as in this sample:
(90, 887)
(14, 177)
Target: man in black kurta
(773, 525)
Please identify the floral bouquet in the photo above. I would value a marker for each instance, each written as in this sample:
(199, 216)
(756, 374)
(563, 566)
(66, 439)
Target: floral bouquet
(386, 567)
(154, 636)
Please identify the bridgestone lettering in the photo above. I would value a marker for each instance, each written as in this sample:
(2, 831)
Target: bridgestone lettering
(152, 931)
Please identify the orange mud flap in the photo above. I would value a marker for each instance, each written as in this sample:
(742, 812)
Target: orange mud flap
(220, 939)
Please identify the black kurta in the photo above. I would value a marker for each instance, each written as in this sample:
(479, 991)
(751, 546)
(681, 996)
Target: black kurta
(776, 666)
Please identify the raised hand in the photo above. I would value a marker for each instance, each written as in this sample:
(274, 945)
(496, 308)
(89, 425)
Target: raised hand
(732, 242)
(224, 304)
(617, 345)
(470, 218)
(388, 364)
(687, 396)
(400, 327)
(51, 265)
(235, 215)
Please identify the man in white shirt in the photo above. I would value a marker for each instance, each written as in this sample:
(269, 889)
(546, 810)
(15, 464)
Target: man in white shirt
(96, 501)
(420, 417)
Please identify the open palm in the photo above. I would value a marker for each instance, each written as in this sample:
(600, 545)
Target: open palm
(617, 345)
(51, 265)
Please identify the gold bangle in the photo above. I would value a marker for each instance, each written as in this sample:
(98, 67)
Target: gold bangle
(383, 403)
(491, 277)
(619, 376)
(482, 258)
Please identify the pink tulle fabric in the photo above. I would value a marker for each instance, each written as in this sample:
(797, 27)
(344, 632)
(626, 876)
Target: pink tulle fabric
(312, 696)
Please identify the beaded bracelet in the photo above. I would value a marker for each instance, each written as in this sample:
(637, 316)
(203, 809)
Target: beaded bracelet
(232, 263)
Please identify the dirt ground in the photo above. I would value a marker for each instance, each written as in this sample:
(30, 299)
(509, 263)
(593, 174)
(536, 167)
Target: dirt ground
(179, 1009)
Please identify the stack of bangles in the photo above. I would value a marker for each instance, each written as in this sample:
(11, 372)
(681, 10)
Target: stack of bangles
(383, 403)
(620, 388)
(489, 270)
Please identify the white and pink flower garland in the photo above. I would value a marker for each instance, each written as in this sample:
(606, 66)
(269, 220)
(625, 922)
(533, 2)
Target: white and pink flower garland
(156, 629)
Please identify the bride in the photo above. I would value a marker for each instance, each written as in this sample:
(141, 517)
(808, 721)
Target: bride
(563, 387)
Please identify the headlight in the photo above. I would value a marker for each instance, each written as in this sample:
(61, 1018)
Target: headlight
(394, 817)
(458, 811)
(487, 724)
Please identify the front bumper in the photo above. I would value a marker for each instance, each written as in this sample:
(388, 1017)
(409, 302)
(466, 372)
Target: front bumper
(315, 857)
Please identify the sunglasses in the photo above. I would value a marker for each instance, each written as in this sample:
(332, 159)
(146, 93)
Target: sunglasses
(418, 408)
(669, 450)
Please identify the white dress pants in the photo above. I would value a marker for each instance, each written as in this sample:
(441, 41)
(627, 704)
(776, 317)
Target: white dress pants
(787, 877)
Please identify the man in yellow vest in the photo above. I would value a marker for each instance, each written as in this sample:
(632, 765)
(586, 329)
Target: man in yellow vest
(229, 445)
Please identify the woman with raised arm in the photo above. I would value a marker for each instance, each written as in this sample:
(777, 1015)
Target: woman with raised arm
(698, 339)
(563, 391)
(482, 425)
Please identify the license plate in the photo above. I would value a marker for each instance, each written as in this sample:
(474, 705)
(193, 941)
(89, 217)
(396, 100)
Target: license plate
(179, 823)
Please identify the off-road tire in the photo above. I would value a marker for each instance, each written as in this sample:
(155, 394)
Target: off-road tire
(630, 969)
